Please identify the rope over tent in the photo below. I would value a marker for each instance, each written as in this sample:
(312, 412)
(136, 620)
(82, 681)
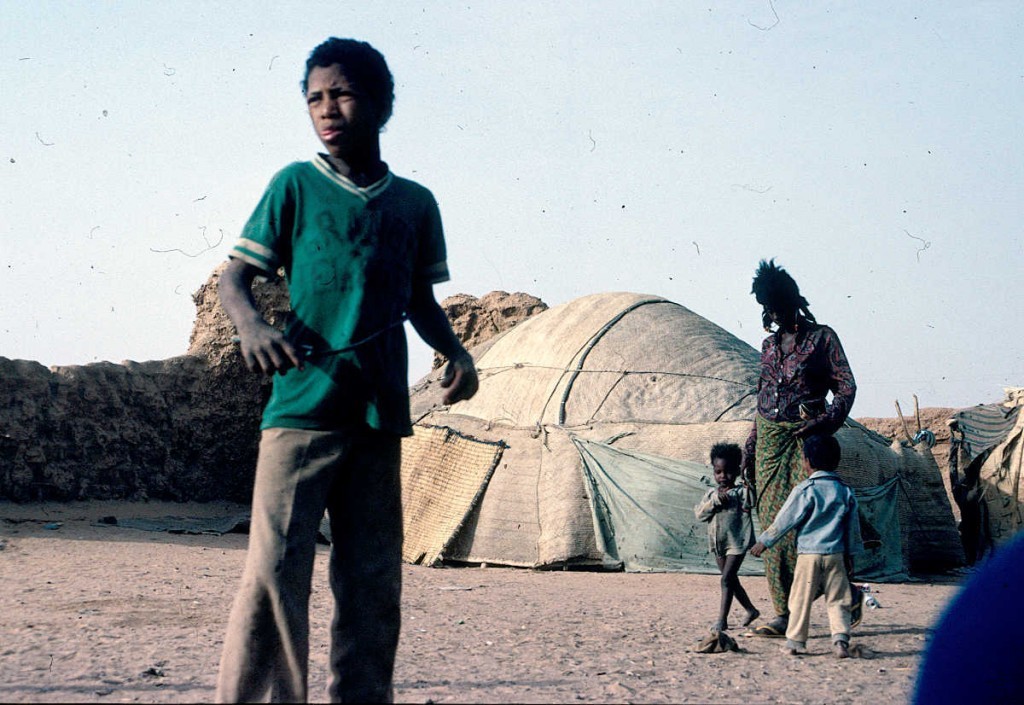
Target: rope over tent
(590, 346)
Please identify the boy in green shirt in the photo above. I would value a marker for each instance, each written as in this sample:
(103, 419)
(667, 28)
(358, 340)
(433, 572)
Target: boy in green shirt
(361, 250)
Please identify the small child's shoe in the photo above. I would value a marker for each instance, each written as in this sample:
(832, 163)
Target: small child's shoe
(841, 649)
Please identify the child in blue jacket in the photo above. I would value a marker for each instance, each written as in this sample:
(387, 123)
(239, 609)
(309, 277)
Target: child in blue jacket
(823, 511)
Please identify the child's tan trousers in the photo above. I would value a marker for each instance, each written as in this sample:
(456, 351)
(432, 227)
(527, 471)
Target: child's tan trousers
(816, 574)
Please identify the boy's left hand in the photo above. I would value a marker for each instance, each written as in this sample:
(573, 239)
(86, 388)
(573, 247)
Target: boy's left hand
(757, 549)
(460, 380)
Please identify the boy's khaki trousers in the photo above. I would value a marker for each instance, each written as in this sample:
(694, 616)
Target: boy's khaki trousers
(814, 575)
(354, 474)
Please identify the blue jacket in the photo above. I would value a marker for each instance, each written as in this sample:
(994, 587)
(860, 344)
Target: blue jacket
(823, 510)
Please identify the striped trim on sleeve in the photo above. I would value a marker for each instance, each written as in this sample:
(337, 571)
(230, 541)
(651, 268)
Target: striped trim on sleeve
(435, 273)
(252, 252)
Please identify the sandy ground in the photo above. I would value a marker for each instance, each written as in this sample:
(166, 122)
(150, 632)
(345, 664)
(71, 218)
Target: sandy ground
(94, 613)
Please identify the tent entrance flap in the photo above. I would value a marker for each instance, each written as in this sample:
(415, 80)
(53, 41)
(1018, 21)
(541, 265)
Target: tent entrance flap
(444, 475)
(882, 558)
(643, 516)
(643, 510)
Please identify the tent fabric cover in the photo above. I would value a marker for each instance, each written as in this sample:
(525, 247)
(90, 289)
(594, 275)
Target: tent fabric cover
(985, 426)
(1002, 476)
(999, 430)
(535, 512)
(882, 559)
(578, 363)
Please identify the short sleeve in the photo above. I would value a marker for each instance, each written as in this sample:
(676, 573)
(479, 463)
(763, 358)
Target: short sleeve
(432, 259)
(266, 238)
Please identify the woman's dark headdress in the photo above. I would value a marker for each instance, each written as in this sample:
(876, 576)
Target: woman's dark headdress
(777, 291)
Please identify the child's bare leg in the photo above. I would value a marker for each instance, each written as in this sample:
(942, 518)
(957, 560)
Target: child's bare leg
(741, 594)
(727, 594)
(730, 567)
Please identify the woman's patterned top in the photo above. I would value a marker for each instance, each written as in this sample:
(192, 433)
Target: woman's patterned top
(817, 365)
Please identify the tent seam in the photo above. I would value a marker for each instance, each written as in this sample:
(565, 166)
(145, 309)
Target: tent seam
(594, 340)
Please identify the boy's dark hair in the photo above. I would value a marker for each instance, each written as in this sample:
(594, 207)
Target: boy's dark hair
(822, 452)
(777, 291)
(730, 453)
(364, 67)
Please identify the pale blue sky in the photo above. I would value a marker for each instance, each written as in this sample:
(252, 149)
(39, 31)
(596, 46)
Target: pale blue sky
(575, 147)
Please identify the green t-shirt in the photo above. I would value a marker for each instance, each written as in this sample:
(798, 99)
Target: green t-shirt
(351, 256)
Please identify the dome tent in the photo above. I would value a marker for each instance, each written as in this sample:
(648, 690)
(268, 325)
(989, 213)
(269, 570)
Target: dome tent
(587, 442)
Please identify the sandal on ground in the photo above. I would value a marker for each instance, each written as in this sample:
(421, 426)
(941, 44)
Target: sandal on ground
(773, 629)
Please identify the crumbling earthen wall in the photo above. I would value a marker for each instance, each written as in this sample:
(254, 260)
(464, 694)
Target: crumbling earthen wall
(185, 428)
(476, 320)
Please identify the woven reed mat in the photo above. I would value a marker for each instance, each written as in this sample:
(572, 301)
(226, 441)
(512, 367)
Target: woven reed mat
(444, 475)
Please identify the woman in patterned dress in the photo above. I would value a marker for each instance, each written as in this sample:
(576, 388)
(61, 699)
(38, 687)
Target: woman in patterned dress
(802, 361)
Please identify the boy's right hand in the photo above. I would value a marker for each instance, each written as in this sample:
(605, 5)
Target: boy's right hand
(757, 549)
(265, 349)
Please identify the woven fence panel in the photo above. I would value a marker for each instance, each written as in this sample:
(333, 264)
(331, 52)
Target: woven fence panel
(444, 474)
